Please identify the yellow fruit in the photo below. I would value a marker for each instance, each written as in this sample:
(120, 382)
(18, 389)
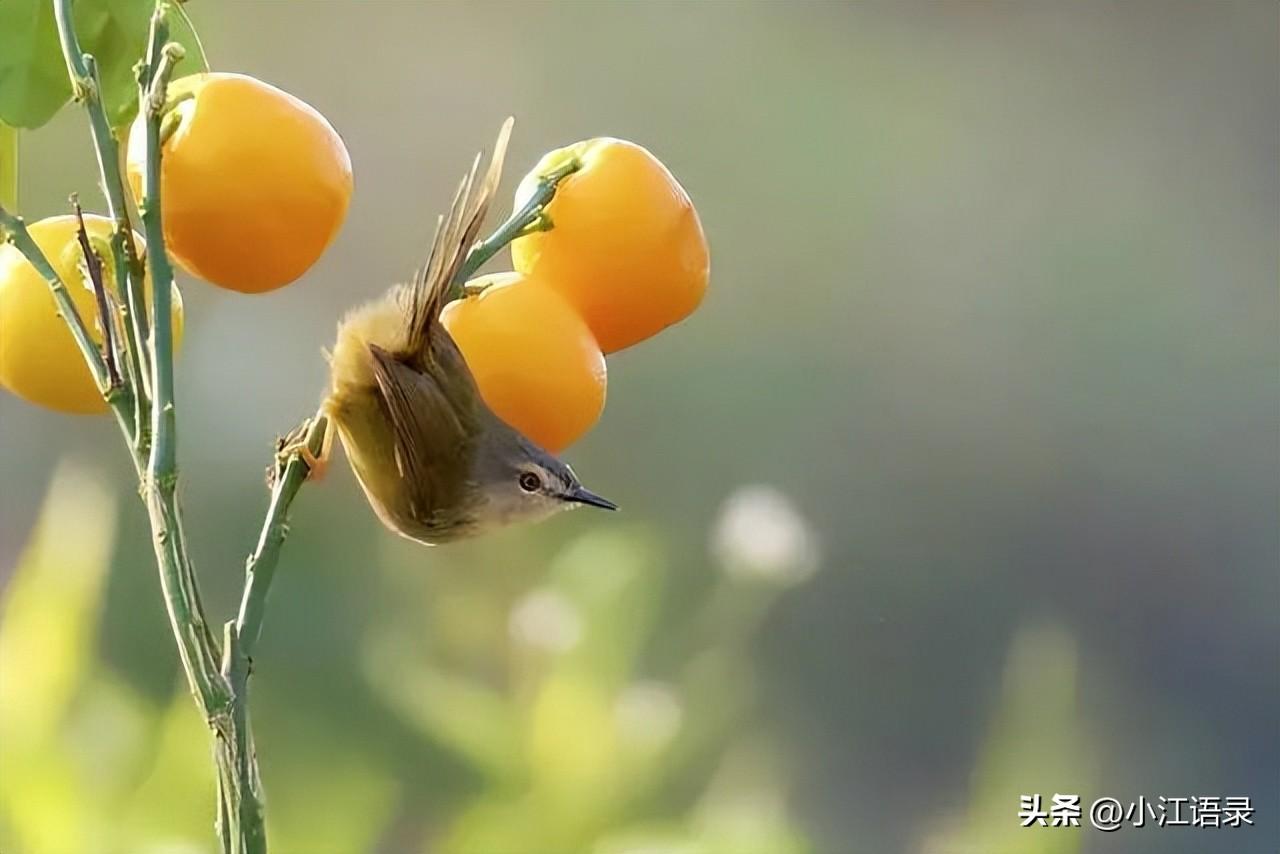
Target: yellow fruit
(627, 250)
(39, 360)
(535, 362)
(254, 182)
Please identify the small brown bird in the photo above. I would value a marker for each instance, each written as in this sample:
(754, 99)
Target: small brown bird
(436, 464)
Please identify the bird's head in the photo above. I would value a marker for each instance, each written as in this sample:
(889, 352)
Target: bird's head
(517, 481)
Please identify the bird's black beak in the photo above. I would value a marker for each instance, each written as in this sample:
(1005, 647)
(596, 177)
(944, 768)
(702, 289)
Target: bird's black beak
(583, 495)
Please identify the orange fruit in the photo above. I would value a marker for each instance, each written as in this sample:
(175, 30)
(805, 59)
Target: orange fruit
(39, 360)
(627, 250)
(535, 362)
(254, 183)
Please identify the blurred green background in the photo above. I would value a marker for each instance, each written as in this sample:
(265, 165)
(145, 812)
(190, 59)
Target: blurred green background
(962, 484)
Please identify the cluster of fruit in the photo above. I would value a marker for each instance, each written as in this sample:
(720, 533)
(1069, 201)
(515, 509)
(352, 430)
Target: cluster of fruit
(625, 258)
(255, 184)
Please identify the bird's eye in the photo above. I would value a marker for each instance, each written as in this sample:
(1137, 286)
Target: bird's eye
(530, 482)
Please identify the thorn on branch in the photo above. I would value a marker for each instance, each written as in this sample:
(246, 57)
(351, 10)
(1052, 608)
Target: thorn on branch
(541, 222)
(82, 85)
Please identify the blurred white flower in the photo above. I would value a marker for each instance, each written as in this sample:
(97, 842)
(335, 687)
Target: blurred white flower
(648, 714)
(545, 620)
(760, 534)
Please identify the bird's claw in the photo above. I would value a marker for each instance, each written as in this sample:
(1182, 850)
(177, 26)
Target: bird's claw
(294, 444)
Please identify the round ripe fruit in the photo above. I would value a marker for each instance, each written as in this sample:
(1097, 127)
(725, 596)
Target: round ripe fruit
(627, 250)
(254, 183)
(39, 360)
(535, 362)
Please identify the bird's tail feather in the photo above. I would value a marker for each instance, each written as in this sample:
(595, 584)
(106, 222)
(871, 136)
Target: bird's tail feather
(455, 235)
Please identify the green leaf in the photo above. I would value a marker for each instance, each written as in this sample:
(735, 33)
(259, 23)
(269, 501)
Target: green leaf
(8, 167)
(33, 75)
(115, 32)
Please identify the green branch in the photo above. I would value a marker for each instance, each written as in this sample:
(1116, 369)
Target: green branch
(238, 779)
(196, 644)
(163, 435)
(86, 87)
(144, 402)
(291, 473)
(241, 635)
(531, 216)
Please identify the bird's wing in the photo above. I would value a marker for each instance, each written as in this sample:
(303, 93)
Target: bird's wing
(433, 431)
(455, 235)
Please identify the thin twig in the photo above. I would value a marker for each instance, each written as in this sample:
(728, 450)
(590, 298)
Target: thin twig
(93, 267)
(261, 565)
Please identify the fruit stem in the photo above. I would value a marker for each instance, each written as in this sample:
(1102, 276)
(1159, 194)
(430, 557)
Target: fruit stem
(531, 216)
(86, 84)
(175, 100)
